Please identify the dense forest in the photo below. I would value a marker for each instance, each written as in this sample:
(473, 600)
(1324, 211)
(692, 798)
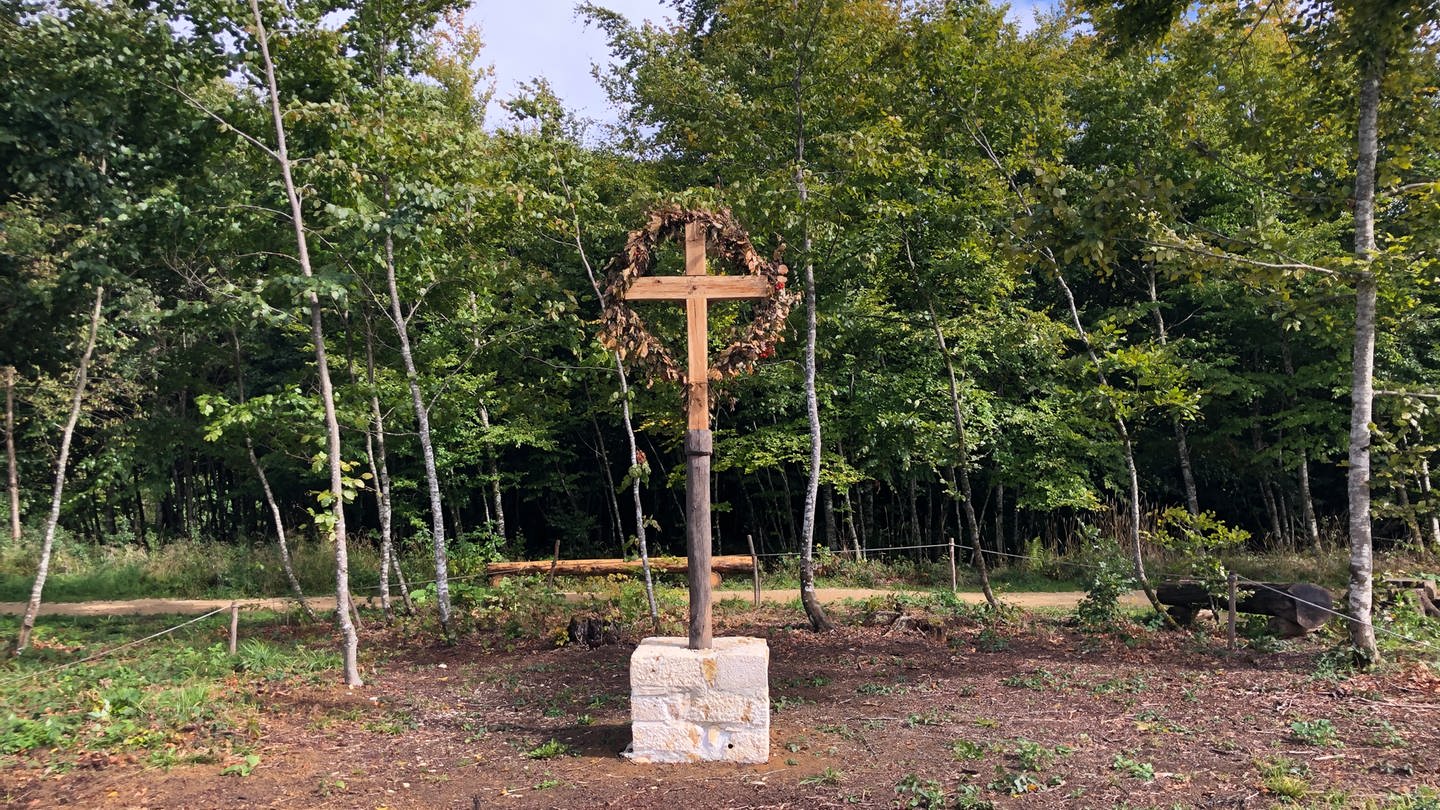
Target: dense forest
(269, 265)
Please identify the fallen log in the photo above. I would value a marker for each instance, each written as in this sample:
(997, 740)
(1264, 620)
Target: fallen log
(1297, 607)
(727, 564)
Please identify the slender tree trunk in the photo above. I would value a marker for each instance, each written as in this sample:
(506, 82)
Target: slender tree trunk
(638, 465)
(851, 531)
(1121, 429)
(1000, 518)
(612, 500)
(280, 540)
(279, 520)
(382, 509)
(12, 477)
(789, 510)
(813, 609)
(400, 581)
(1407, 513)
(1136, 552)
(322, 365)
(380, 472)
(1187, 475)
(457, 529)
(47, 544)
(832, 541)
(1307, 500)
(962, 443)
(139, 509)
(1307, 503)
(427, 447)
(1362, 378)
(1430, 507)
(497, 512)
(965, 516)
(1271, 511)
(913, 497)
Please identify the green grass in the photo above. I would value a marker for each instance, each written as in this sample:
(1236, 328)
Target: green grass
(183, 570)
(172, 698)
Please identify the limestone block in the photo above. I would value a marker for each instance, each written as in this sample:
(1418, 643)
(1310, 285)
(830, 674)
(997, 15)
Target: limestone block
(700, 705)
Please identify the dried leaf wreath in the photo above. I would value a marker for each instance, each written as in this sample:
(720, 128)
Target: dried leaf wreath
(623, 331)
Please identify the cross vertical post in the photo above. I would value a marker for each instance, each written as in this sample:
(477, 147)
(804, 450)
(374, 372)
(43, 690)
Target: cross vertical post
(697, 289)
(699, 443)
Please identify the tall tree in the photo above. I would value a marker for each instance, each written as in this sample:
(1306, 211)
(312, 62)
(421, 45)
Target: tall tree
(12, 468)
(52, 520)
(333, 446)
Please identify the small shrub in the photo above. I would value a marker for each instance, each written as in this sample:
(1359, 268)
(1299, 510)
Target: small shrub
(914, 792)
(829, 776)
(967, 750)
(1284, 778)
(243, 767)
(1315, 732)
(549, 749)
(1100, 609)
(1144, 771)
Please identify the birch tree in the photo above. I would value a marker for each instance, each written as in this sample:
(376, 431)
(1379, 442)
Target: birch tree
(62, 460)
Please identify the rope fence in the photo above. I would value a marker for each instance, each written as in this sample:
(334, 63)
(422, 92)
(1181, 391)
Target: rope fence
(103, 653)
(233, 609)
(1246, 580)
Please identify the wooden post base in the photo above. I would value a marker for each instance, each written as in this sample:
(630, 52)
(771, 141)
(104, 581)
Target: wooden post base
(698, 448)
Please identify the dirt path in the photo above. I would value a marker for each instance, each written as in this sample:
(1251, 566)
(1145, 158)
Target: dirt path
(147, 607)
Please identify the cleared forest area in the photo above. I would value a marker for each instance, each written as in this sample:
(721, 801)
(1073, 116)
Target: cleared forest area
(1134, 300)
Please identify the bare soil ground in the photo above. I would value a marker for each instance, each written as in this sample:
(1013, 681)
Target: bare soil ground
(1034, 714)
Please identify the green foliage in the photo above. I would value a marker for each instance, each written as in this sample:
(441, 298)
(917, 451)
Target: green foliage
(914, 792)
(1109, 580)
(550, 749)
(523, 606)
(1200, 540)
(1319, 732)
(1418, 798)
(242, 768)
(967, 750)
(829, 776)
(81, 572)
(1039, 679)
(1135, 769)
(1284, 777)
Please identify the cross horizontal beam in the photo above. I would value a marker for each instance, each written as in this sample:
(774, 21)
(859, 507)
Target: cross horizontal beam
(711, 288)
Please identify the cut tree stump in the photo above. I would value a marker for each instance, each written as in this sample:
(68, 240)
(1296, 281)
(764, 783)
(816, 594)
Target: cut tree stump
(1296, 608)
(727, 564)
(592, 631)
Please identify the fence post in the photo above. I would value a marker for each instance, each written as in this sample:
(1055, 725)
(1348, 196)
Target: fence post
(234, 626)
(754, 569)
(954, 582)
(1230, 632)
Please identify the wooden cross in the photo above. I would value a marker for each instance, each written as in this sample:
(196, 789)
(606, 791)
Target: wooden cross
(697, 290)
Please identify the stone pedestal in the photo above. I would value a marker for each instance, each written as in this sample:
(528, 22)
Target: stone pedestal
(700, 705)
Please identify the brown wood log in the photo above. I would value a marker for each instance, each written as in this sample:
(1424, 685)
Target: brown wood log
(1299, 605)
(1426, 599)
(726, 564)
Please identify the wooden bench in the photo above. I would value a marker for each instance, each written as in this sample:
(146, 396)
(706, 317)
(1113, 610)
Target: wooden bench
(1295, 608)
(725, 564)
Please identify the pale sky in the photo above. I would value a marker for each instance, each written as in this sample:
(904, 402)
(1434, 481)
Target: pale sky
(546, 38)
(533, 38)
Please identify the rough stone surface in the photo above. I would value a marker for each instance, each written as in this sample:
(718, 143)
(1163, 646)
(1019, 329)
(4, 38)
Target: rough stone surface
(700, 705)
